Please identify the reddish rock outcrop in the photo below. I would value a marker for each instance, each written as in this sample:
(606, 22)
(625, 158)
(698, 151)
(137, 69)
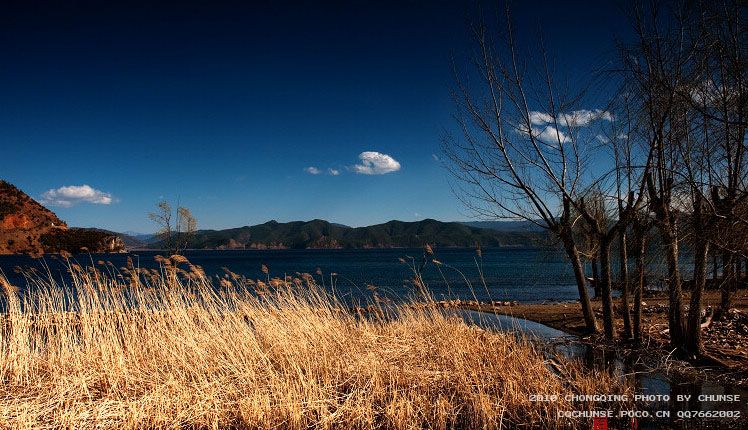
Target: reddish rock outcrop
(27, 227)
(23, 221)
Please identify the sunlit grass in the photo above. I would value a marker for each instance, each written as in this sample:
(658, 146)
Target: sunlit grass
(173, 349)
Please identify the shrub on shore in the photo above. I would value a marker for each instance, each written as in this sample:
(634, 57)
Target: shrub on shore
(173, 350)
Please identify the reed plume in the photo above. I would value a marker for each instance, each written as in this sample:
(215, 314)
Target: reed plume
(179, 352)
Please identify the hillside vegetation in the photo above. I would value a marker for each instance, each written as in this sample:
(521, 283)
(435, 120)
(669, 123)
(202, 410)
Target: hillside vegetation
(323, 234)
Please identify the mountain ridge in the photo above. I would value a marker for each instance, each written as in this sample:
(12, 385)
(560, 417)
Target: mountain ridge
(27, 227)
(322, 234)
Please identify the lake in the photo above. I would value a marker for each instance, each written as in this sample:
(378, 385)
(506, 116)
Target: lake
(522, 274)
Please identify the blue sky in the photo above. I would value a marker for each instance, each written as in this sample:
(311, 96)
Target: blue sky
(224, 106)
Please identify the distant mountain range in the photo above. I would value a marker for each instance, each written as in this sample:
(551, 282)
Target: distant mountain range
(393, 234)
(27, 227)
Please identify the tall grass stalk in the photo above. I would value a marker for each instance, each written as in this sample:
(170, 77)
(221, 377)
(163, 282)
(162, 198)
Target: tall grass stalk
(171, 348)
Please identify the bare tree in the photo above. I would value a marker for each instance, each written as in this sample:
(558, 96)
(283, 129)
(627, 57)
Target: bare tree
(688, 73)
(186, 226)
(696, 154)
(626, 180)
(715, 163)
(592, 207)
(162, 217)
(606, 229)
(519, 155)
(589, 248)
(609, 213)
(654, 69)
(720, 94)
(641, 225)
(175, 230)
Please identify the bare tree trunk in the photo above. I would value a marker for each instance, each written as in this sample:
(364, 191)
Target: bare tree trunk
(640, 271)
(624, 280)
(605, 283)
(693, 341)
(675, 309)
(596, 276)
(584, 299)
(728, 277)
(737, 274)
(739, 269)
(715, 267)
(667, 225)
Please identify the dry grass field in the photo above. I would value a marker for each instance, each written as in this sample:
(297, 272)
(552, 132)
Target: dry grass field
(175, 349)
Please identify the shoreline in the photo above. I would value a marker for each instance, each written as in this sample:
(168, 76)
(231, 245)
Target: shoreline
(382, 248)
(725, 349)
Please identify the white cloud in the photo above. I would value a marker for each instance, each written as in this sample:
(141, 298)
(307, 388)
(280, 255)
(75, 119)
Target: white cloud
(548, 135)
(312, 170)
(709, 94)
(605, 139)
(71, 195)
(538, 118)
(376, 163)
(575, 118)
(602, 139)
(583, 117)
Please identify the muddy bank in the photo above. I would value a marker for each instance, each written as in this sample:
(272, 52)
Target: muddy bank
(725, 342)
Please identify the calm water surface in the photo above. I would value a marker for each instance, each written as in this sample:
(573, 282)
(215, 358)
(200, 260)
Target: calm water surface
(526, 274)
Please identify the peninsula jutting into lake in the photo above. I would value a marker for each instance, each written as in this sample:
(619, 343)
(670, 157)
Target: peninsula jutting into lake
(374, 215)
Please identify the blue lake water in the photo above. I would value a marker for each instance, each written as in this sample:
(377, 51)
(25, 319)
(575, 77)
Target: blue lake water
(522, 274)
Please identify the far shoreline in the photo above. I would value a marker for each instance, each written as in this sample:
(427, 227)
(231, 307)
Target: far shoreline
(419, 248)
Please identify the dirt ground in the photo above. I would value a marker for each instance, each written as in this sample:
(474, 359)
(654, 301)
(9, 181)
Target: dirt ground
(726, 341)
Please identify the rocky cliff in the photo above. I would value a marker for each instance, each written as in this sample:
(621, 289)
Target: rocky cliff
(27, 227)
